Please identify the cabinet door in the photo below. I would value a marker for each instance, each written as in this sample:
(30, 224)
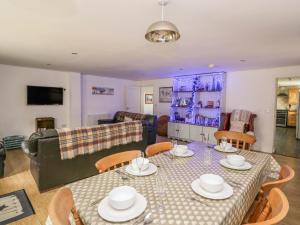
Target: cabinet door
(184, 131)
(292, 119)
(172, 127)
(210, 132)
(195, 132)
(293, 94)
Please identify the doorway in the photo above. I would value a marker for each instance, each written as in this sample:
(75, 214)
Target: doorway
(287, 135)
(147, 99)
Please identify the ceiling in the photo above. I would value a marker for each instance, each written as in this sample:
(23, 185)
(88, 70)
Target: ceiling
(109, 36)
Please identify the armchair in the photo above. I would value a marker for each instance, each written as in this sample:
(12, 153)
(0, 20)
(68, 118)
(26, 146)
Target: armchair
(237, 115)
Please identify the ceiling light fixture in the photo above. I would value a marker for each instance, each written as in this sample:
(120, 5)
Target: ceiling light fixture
(162, 31)
(211, 65)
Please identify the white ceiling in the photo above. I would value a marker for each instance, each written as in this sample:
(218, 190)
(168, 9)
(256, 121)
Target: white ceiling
(109, 36)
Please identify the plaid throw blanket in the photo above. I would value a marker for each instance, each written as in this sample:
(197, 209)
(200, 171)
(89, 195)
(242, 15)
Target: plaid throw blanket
(80, 141)
(240, 115)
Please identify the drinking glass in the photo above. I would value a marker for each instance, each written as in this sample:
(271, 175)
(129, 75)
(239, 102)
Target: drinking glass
(223, 142)
(174, 143)
(161, 188)
(140, 161)
(207, 158)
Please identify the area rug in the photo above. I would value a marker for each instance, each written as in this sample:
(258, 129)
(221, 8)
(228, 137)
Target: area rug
(14, 206)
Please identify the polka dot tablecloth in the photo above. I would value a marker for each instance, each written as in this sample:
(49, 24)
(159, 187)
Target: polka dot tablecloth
(176, 206)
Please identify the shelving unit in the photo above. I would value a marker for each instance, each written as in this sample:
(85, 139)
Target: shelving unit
(197, 103)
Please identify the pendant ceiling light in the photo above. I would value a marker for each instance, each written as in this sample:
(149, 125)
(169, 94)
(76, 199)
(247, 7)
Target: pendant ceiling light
(162, 31)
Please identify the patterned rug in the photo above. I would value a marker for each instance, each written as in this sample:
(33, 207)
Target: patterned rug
(14, 206)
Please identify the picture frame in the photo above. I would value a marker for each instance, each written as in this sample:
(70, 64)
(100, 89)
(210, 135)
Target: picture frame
(148, 98)
(165, 94)
(103, 91)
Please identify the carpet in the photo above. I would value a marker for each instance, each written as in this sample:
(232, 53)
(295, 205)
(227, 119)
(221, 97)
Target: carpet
(14, 206)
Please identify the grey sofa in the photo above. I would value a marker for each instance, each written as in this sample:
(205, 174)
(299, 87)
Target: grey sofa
(149, 121)
(50, 171)
(2, 159)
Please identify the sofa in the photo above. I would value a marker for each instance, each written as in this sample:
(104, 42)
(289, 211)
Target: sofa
(49, 171)
(2, 159)
(149, 121)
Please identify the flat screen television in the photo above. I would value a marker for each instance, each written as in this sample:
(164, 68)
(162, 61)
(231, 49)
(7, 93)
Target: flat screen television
(37, 95)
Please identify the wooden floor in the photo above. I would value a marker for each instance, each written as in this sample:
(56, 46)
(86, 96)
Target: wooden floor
(18, 177)
(286, 143)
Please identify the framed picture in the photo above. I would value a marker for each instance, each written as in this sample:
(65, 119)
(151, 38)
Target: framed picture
(148, 98)
(102, 91)
(165, 94)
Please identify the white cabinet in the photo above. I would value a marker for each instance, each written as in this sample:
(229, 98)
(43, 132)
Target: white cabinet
(179, 131)
(190, 132)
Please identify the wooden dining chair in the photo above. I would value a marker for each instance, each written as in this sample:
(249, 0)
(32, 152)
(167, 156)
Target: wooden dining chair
(237, 139)
(286, 174)
(273, 210)
(157, 148)
(61, 207)
(115, 160)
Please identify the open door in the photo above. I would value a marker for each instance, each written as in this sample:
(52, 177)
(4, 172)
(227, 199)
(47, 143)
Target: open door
(133, 99)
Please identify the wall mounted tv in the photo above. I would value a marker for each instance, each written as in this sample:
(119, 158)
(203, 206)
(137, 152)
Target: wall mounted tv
(37, 95)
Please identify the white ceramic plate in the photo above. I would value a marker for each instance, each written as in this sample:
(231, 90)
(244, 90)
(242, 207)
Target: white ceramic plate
(246, 166)
(151, 169)
(188, 153)
(113, 215)
(225, 193)
(232, 150)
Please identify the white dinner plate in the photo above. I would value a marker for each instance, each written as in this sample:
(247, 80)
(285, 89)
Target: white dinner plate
(231, 150)
(188, 153)
(113, 215)
(150, 170)
(225, 193)
(246, 166)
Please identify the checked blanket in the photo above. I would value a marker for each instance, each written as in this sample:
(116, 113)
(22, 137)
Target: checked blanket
(81, 141)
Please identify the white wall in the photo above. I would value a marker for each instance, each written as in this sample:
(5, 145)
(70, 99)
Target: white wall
(253, 90)
(146, 108)
(16, 117)
(103, 105)
(158, 107)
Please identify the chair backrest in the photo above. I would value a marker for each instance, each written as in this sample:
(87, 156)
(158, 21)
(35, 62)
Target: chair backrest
(61, 206)
(286, 174)
(158, 148)
(274, 210)
(237, 139)
(118, 159)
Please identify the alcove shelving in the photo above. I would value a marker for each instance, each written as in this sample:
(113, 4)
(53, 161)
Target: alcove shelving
(197, 103)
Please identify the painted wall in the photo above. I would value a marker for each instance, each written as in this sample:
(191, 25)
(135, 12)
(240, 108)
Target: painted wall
(16, 117)
(158, 107)
(146, 108)
(95, 107)
(253, 90)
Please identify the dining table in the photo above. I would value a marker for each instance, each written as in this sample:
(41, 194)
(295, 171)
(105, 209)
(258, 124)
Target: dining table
(181, 205)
